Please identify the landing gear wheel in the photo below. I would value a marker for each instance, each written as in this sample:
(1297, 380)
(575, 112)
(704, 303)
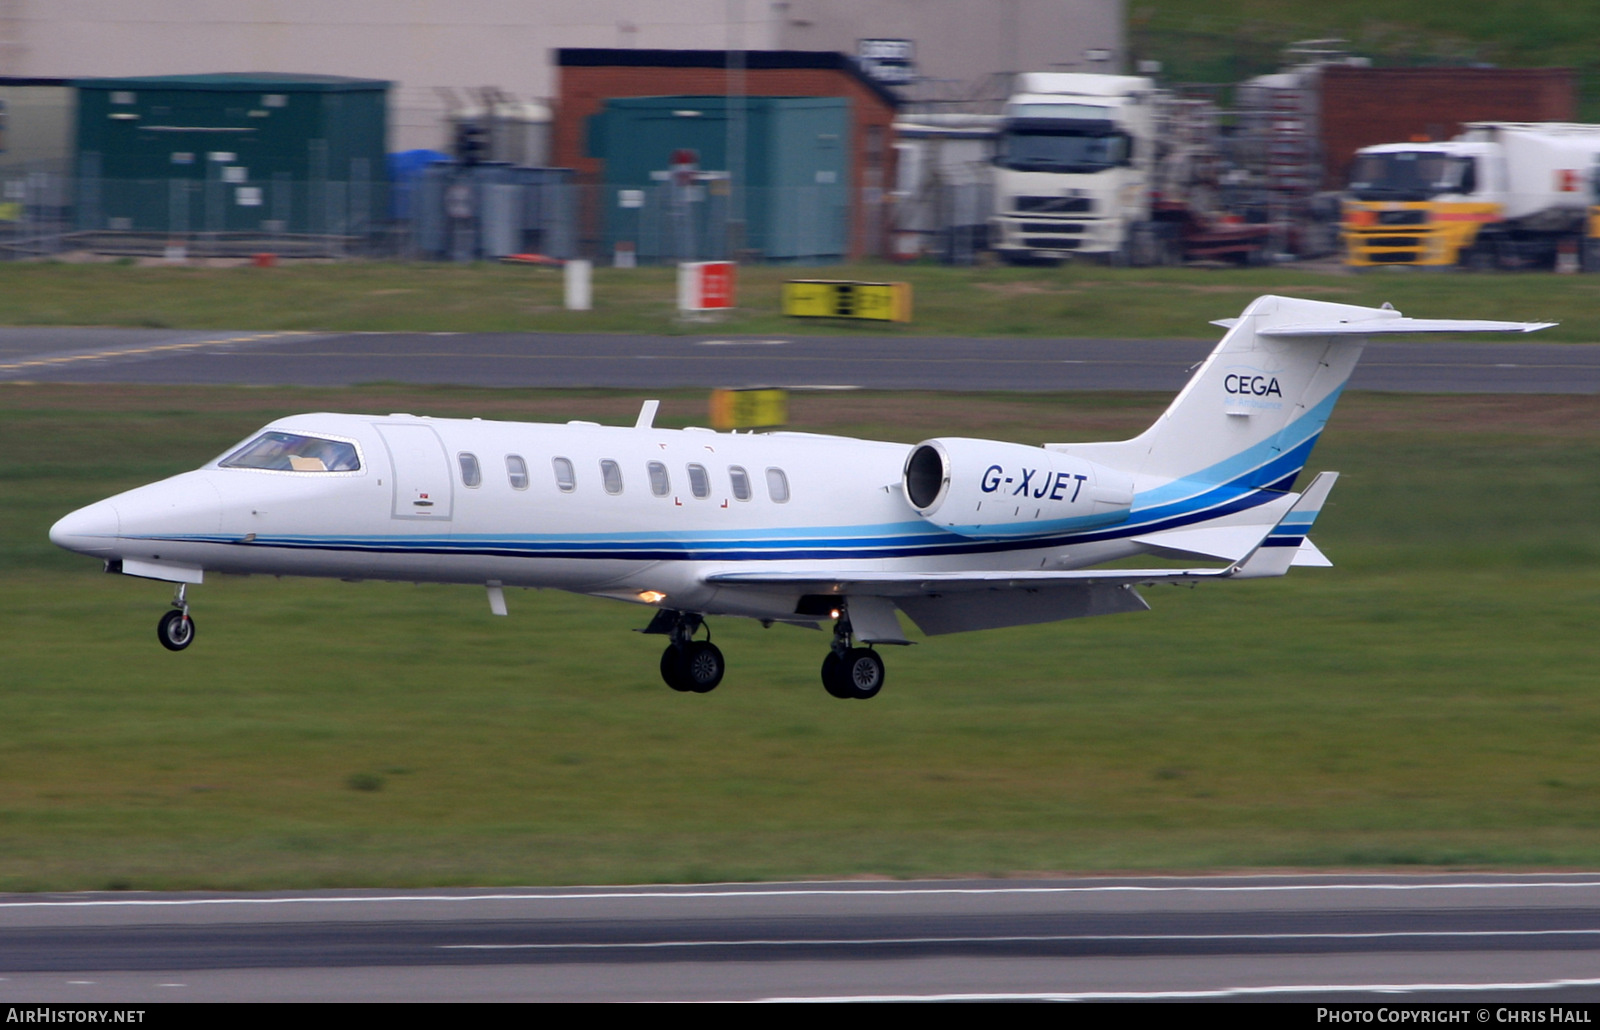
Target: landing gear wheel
(701, 666)
(832, 682)
(858, 674)
(669, 669)
(175, 630)
(696, 666)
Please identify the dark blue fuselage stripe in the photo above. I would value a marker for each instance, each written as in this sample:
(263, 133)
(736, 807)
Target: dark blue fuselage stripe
(1272, 480)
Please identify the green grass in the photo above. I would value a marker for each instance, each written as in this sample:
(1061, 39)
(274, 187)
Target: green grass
(1227, 43)
(1079, 300)
(1429, 702)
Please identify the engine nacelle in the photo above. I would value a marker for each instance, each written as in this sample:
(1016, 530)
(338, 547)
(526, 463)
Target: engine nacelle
(987, 488)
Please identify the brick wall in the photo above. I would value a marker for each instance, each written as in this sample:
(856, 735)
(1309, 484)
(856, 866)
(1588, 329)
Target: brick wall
(583, 90)
(1366, 106)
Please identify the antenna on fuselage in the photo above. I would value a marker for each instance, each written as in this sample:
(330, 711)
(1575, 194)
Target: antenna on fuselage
(647, 415)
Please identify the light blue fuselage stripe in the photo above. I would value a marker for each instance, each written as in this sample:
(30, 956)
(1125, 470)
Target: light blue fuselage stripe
(1256, 476)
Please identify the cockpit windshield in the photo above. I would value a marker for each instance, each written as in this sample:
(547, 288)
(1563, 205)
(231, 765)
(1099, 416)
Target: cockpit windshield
(1411, 175)
(291, 452)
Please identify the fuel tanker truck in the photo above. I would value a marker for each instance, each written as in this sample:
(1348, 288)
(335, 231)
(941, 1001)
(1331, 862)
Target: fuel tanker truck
(1499, 195)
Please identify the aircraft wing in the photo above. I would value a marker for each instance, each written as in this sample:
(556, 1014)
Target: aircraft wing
(951, 602)
(1287, 534)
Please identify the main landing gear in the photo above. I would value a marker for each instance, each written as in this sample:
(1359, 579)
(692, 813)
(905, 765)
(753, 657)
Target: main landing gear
(688, 665)
(176, 629)
(851, 672)
(696, 666)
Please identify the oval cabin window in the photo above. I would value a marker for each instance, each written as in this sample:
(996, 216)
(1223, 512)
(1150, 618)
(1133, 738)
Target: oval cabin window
(660, 485)
(741, 482)
(517, 471)
(699, 481)
(565, 479)
(611, 476)
(777, 485)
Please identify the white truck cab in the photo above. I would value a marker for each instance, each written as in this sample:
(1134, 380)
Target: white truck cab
(1072, 166)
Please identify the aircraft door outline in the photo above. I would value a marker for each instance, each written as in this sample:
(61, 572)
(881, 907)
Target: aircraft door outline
(423, 488)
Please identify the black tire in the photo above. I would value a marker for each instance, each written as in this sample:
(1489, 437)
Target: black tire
(669, 668)
(175, 630)
(859, 675)
(832, 680)
(700, 666)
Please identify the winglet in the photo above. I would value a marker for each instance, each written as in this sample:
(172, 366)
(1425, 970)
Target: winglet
(647, 415)
(1276, 551)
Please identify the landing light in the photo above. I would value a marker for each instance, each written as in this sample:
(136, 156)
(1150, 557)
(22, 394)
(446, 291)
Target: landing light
(652, 596)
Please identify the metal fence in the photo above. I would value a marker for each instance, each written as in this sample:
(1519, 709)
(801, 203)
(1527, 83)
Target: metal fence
(483, 213)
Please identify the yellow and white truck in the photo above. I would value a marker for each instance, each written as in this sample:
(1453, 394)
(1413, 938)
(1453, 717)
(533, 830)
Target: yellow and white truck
(1499, 195)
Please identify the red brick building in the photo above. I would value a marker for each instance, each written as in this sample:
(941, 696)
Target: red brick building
(1362, 107)
(587, 78)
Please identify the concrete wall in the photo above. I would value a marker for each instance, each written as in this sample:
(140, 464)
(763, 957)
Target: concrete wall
(963, 46)
(425, 45)
(421, 46)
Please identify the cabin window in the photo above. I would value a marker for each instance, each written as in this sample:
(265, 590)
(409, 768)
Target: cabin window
(292, 452)
(660, 485)
(565, 479)
(777, 485)
(699, 482)
(741, 482)
(611, 475)
(517, 471)
(471, 474)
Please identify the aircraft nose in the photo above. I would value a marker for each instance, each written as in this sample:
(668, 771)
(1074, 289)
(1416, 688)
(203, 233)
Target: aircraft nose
(91, 530)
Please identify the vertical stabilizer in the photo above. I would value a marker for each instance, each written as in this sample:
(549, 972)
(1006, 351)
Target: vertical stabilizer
(1252, 411)
(1249, 416)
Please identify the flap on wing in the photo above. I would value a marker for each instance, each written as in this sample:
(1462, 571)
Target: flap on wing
(903, 584)
(1225, 543)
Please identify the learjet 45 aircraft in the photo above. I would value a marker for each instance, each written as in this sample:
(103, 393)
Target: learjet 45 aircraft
(957, 533)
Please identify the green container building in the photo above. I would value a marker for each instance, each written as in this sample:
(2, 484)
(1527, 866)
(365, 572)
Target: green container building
(797, 162)
(235, 153)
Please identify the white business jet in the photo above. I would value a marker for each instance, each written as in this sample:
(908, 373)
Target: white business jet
(957, 533)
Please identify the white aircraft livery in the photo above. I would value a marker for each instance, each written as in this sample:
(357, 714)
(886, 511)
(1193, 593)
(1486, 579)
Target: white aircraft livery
(957, 533)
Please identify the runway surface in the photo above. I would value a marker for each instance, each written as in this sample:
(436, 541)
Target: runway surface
(1476, 939)
(664, 362)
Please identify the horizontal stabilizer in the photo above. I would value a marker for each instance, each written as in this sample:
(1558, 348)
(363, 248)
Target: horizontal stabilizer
(1381, 326)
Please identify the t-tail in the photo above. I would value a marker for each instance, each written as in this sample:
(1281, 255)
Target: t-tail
(1250, 415)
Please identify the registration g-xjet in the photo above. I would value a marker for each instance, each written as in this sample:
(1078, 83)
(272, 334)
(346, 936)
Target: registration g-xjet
(959, 534)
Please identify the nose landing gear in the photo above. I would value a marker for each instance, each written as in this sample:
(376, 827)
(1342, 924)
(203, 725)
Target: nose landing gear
(176, 629)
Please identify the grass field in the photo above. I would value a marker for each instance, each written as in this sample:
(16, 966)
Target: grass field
(1070, 301)
(1229, 43)
(1430, 701)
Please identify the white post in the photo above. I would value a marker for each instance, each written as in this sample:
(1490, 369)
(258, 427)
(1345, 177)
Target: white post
(577, 283)
(688, 287)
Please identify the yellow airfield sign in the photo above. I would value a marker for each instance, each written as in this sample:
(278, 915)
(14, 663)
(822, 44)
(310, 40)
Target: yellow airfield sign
(829, 298)
(749, 409)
